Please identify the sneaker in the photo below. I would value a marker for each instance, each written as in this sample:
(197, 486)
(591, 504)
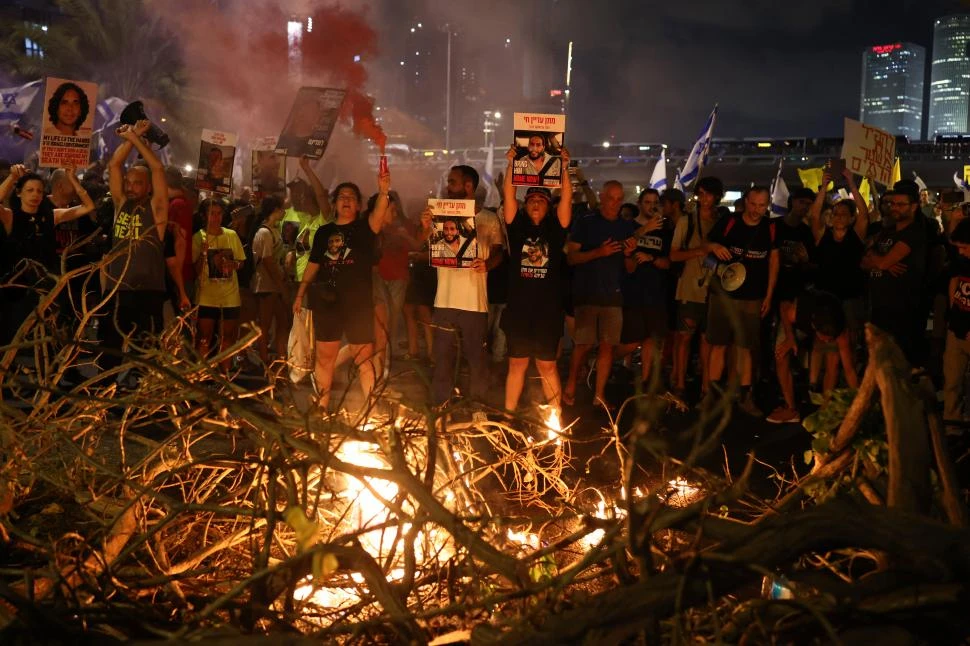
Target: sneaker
(747, 405)
(784, 415)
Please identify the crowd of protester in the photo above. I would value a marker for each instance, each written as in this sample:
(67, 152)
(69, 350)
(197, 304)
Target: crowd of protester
(667, 292)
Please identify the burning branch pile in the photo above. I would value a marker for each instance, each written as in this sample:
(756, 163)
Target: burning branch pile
(187, 507)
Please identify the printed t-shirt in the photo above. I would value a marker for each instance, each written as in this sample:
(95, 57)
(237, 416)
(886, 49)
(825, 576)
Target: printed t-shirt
(345, 253)
(752, 247)
(218, 284)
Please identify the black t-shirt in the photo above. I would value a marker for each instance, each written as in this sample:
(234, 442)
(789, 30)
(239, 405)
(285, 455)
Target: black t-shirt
(838, 265)
(535, 260)
(345, 253)
(958, 320)
(794, 245)
(31, 237)
(647, 285)
(899, 292)
(752, 247)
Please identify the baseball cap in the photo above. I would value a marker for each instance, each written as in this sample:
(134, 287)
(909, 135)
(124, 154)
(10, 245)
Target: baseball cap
(541, 192)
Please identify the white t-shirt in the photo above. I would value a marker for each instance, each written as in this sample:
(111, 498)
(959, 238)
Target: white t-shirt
(465, 289)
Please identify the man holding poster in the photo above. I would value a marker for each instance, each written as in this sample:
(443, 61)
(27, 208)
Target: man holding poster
(538, 143)
(66, 137)
(461, 301)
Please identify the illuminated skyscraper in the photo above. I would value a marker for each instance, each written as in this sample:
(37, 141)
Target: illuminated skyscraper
(950, 76)
(892, 88)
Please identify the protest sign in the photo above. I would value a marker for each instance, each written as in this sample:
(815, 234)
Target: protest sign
(269, 168)
(538, 143)
(310, 124)
(869, 151)
(216, 155)
(453, 242)
(68, 119)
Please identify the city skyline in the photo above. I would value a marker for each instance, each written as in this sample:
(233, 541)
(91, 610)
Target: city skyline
(892, 88)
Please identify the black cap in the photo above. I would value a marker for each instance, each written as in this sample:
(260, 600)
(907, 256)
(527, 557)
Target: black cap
(541, 192)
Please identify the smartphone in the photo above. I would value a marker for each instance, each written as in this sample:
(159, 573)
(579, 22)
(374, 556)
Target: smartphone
(836, 166)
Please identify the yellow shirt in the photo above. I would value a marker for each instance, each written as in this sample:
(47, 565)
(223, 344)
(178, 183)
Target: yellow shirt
(218, 283)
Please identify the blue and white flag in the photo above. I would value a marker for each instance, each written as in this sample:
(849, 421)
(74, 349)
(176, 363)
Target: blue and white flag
(16, 100)
(698, 154)
(679, 185)
(779, 195)
(919, 181)
(658, 180)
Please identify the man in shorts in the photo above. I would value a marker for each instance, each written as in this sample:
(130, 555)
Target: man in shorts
(734, 317)
(596, 249)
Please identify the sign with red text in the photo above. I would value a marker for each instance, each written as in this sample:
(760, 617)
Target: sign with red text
(538, 144)
(453, 242)
(216, 156)
(68, 121)
(869, 151)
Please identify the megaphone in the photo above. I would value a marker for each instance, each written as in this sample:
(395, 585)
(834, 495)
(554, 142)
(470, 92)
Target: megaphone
(135, 112)
(731, 275)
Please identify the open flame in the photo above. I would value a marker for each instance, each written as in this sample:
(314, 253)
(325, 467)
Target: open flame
(553, 424)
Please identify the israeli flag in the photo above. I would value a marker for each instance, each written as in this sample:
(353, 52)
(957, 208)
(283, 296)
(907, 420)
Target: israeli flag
(779, 195)
(16, 100)
(698, 154)
(679, 185)
(487, 193)
(658, 180)
(919, 181)
(962, 185)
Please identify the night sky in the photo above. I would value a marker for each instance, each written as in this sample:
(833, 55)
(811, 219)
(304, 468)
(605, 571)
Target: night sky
(646, 71)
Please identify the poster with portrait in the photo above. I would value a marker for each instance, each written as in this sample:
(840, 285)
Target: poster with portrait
(269, 168)
(68, 122)
(453, 242)
(216, 154)
(539, 139)
(308, 128)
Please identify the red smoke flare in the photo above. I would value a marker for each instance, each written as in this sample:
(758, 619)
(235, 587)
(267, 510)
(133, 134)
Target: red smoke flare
(238, 61)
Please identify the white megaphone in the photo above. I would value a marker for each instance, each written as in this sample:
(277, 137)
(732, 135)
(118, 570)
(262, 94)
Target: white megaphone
(731, 274)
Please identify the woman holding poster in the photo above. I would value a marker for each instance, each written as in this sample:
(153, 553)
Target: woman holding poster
(67, 109)
(533, 318)
(217, 253)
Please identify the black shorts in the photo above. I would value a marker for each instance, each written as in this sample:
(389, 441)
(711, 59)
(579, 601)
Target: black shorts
(219, 313)
(334, 321)
(642, 323)
(533, 335)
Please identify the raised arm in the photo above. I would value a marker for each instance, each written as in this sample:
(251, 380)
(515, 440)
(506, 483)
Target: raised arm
(116, 170)
(321, 193)
(73, 213)
(159, 183)
(378, 217)
(587, 190)
(6, 188)
(815, 211)
(861, 206)
(565, 210)
(509, 204)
